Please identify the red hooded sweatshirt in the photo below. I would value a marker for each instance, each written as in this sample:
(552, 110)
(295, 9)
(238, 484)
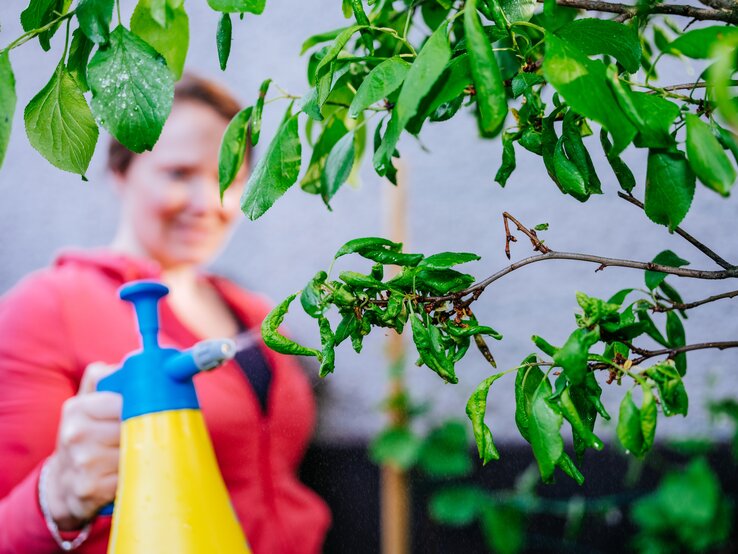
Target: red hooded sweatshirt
(58, 320)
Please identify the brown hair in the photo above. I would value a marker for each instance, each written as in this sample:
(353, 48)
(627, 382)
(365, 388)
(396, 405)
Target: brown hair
(189, 88)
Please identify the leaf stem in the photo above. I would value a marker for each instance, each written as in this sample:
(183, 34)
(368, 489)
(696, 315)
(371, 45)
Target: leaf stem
(25, 37)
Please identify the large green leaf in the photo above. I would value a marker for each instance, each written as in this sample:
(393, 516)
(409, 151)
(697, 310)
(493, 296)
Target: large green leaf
(276, 340)
(545, 421)
(8, 100)
(629, 428)
(132, 90)
(476, 408)
(233, 148)
(422, 75)
(172, 40)
(655, 118)
(707, 157)
(59, 123)
(94, 19)
(238, 6)
(583, 84)
(491, 97)
(276, 171)
(382, 81)
(701, 43)
(600, 36)
(338, 166)
(334, 50)
(528, 377)
(670, 186)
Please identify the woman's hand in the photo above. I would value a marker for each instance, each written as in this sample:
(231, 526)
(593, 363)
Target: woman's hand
(83, 471)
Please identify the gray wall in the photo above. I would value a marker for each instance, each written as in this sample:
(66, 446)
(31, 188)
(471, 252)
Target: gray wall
(453, 205)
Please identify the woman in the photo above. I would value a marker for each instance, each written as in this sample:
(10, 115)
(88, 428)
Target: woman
(64, 328)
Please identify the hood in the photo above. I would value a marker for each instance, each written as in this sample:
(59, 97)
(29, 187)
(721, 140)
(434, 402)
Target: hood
(116, 264)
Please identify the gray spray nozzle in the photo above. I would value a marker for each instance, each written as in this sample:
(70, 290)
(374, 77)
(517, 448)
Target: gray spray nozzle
(209, 354)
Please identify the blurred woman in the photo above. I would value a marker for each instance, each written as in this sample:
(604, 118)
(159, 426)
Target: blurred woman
(63, 328)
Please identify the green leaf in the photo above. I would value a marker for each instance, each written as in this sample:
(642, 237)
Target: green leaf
(707, 158)
(656, 118)
(233, 149)
(258, 110)
(676, 337)
(422, 75)
(476, 408)
(572, 356)
(8, 100)
(667, 257)
(545, 421)
(600, 36)
(278, 342)
(381, 81)
(670, 186)
(673, 395)
(443, 281)
(172, 41)
(311, 296)
(523, 82)
(320, 38)
(491, 97)
(579, 426)
(224, 39)
(445, 260)
(427, 341)
(629, 426)
(445, 451)
(458, 506)
(649, 417)
(569, 178)
(332, 131)
(94, 19)
(700, 43)
(396, 446)
(40, 13)
(583, 84)
(238, 6)
(59, 123)
(526, 383)
(79, 55)
(328, 342)
(363, 245)
(577, 151)
(335, 49)
(132, 90)
(338, 167)
(276, 171)
(508, 159)
(518, 10)
(363, 20)
(623, 174)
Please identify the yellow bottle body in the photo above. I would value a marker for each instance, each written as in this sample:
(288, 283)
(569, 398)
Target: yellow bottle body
(171, 496)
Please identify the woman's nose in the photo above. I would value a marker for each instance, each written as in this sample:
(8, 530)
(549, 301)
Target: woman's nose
(204, 195)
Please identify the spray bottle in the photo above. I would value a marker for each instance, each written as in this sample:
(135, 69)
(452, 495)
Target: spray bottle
(171, 496)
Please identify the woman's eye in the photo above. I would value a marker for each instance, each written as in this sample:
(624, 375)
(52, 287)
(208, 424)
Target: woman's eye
(177, 173)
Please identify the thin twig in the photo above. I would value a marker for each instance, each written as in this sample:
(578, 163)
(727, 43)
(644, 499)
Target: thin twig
(671, 352)
(703, 14)
(690, 305)
(686, 236)
(538, 245)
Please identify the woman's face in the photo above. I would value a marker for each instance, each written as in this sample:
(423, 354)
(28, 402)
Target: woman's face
(170, 195)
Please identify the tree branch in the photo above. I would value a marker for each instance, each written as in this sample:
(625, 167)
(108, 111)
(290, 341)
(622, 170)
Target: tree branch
(690, 305)
(686, 236)
(671, 352)
(703, 14)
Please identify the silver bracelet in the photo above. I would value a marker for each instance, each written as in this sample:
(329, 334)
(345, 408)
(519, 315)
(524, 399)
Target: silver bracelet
(65, 545)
